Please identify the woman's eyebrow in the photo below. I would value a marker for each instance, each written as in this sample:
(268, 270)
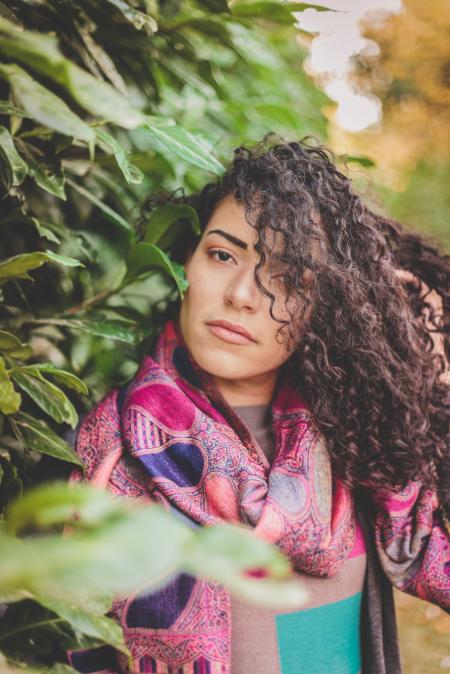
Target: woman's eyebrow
(230, 238)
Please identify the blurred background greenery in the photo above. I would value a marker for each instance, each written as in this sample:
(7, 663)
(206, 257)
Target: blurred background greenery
(103, 106)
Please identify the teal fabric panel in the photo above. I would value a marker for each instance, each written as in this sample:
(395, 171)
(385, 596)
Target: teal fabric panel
(322, 640)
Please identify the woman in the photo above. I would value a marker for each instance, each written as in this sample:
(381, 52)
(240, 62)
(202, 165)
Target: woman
(301, 387)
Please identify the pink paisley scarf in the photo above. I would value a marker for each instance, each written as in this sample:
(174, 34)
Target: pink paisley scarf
(199, 457)
(203, 460)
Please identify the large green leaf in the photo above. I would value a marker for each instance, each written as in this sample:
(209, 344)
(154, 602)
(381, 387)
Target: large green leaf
(38, 436)
(10, 400)
(146, 257)
(46, 395)
(18, 167)
(43, 105)
(131, 173)
(187, 146)
(138, 546)
(164, 216)
(19, 265)
(40, 51)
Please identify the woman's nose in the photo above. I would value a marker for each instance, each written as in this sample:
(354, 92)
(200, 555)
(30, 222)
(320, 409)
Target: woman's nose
(242, 292)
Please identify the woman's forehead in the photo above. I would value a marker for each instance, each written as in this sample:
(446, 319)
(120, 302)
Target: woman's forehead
(280, 242)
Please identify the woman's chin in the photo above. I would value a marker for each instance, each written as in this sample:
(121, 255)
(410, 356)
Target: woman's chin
(221, 363)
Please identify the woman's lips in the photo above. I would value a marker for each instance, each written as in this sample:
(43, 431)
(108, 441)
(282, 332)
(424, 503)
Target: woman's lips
(229, 335)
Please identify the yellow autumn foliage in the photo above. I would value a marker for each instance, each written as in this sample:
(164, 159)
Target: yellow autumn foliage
(411, 76)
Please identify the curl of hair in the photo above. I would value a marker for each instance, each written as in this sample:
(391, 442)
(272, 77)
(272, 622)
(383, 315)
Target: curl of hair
(362, 352)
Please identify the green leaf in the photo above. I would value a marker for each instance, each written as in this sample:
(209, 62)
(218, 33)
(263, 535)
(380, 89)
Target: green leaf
(230, 554)
(146, 257)
(112, 215)
(63, 259)
(44, 231)
(164, 216)
(131, 173)
(40, 51)
(187, 146)
(19, 169)
(19, 265)
(118, 330)
(38, 436)
(219, 6)
(29, 623)
(83, 621)
(46, 171)
(6, 108)
(46, 395)
(280, 12)
(357, 159)
(67, 378)
(12, 484)
(43, 105)
(59, 503)
(46, 177)
(14, 347)
(10, 400)
(138, 19)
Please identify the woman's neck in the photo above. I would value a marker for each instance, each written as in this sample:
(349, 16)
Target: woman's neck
(255, 391)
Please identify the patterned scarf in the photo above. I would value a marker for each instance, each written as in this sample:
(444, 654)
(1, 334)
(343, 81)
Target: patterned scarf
(174, 439)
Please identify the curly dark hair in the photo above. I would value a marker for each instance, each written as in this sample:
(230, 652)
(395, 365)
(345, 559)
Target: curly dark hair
(363, 352)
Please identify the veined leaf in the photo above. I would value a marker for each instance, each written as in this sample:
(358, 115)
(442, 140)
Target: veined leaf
(67, 378)
(187, 146)
(13, 347)
(42, 104)
(146, 257)
(118, 330)
(109, 212)
(41, 52)
(131, 173)
(10, 400)
(38, 436)
(19, 265)
(164, 216)
(83, 621)
(46, 395)
(19, 169)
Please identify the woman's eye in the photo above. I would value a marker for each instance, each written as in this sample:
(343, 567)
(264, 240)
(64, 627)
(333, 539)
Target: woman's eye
(220, 255)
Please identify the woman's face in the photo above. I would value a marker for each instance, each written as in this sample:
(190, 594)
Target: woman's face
(222, 288)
